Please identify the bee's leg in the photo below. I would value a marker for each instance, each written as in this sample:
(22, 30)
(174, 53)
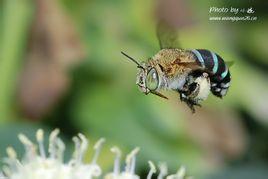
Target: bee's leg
(187, 95)
(194, 89)
(182, 96)
(191, 104)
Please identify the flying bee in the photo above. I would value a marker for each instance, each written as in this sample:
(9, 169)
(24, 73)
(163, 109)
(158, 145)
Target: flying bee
(192, 73)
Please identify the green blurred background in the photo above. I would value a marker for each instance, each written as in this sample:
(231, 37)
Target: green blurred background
(61, 67)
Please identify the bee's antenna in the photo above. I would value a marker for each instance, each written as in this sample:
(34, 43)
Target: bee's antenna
(158, 94)
(132, 59)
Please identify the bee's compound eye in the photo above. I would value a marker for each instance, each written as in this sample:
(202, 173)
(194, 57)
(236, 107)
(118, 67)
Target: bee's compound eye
(152, 79)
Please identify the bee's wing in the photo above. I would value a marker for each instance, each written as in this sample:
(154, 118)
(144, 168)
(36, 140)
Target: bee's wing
(167, 36)
(192, 65)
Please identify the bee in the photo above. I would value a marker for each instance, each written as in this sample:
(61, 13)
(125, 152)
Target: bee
(192, 73)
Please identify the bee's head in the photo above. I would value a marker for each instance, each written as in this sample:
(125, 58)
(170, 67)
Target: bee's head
(147, 78)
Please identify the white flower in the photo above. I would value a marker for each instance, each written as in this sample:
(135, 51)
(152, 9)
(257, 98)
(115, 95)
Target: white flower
(36, 165)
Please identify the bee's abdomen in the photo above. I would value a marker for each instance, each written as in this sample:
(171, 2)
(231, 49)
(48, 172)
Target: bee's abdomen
(217, 69)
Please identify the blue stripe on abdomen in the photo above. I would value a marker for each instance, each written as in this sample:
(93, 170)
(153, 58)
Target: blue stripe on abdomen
(223, 74)
(217, 69)
(216, 63)
(213, 63)
(199, 57)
